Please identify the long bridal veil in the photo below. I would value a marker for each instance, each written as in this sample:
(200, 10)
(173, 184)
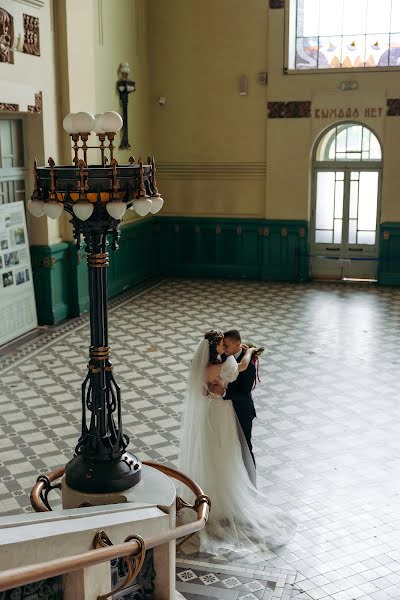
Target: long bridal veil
(211, 453)
(194, 417)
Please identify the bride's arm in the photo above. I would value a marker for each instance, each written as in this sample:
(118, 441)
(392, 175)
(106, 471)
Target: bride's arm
(213, 375)
(244, 363)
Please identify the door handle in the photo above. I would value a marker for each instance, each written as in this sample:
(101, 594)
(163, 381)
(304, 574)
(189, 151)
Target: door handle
(356, 249)
(332, 249)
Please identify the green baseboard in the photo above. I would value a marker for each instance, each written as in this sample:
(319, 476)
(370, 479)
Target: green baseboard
(60, 271)
(389, 254)
(168, 246)
(137, 257)
(79, 288)
(233, 248)
(50, 267)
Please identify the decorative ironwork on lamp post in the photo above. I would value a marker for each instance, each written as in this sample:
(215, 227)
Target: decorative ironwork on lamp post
(97, 198)
(124, 86)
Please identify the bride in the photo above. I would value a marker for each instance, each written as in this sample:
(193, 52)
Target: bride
(215, 454)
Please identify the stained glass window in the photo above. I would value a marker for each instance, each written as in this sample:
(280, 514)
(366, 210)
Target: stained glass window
(334, 34)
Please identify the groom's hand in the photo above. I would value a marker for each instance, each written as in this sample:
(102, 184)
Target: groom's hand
(216, 388)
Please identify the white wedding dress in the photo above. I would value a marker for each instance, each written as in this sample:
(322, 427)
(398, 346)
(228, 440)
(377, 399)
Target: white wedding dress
(214, 453)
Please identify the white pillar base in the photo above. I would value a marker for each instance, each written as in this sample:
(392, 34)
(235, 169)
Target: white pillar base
(154, 489)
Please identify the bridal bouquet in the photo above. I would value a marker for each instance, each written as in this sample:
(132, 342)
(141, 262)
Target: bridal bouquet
(254, 360)
(257, 353)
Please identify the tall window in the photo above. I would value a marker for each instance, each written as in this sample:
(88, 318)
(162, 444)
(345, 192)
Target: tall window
(334, 34)
(12, 168)
(347, 164)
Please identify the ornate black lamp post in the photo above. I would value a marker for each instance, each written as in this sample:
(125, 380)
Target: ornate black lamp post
(124, 86)
(97, 198)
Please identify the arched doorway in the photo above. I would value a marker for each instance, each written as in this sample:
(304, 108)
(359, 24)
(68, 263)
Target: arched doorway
(347, 169)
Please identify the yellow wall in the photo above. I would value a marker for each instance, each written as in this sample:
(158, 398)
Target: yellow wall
(198, 51)
(217, 153)
(290, 141)
(114, 32)
(121, 37)
(78, 73)
(209, 141)
(18, 84)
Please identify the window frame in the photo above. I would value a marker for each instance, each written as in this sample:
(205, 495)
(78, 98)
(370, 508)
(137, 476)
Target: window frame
(290, 47)
(16, 173)
(333, 128)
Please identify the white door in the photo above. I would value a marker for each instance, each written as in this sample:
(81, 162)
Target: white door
(345, 215)
(344, 235)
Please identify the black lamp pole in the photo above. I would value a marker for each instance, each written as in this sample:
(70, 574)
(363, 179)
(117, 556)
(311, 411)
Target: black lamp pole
(101, 462)
(96, 197)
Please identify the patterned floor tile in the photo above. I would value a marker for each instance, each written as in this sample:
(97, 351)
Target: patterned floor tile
(326, 438)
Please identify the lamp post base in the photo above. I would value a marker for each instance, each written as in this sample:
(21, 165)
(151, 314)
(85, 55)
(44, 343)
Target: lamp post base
(103, 477)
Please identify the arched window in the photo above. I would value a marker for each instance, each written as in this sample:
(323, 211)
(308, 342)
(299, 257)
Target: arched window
(334, 34)
(349, 141)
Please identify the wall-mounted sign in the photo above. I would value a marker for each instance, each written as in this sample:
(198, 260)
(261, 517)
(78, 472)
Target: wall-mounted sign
(350, 112)
(17, 298)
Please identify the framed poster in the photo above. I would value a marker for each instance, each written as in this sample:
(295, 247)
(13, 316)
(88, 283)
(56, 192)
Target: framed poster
(17, 296)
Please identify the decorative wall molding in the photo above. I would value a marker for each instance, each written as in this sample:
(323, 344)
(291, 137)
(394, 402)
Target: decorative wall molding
(37, 108)
(393, 107)
(213, 170)
(15, 107)
(33, 3)
(31, 35)
(289, 110)
(277, 3)
(8, 107)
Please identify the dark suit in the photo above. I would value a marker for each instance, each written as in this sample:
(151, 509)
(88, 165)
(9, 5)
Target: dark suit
(239, 392)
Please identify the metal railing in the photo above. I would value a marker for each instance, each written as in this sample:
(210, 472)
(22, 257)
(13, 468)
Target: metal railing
(133, 547)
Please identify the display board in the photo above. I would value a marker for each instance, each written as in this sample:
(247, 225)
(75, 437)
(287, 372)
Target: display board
(17, 297)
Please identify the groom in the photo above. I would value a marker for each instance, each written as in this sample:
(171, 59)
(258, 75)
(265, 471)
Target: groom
(239, 391)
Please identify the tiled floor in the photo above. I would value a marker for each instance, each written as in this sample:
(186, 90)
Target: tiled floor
(196, 579)
(327, 437)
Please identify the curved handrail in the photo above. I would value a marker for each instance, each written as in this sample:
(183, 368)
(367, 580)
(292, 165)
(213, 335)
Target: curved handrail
(25, 575)
(42, 487)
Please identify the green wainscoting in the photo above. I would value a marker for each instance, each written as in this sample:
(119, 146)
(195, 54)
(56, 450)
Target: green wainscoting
(233, 248)
(137, 257)
(188, 247)
(51, 278)
(171, 246)
(60, 271)
(389, 253)
(79, 289)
